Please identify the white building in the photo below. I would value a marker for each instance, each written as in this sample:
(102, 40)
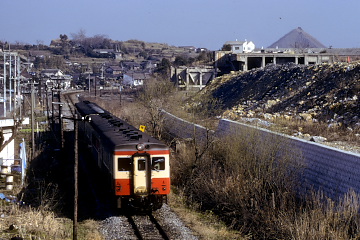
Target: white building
(241, 47)
(51, 73)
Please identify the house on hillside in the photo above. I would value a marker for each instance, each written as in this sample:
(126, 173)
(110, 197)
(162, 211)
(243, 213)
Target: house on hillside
(49, 73)
(134, 79)
(199, 50)
(56, 78)
(241, 47)
(130, 65)
(103, 51)
(188, 48)
(149, 65)
(109, 53)
(39, 54)
(113, 70)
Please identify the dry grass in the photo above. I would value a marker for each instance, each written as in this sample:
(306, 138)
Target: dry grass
(206, 225)
(322, 218)
(237, 182)
(330, 131)
(89, 229)
(255, 191)
(31, 223)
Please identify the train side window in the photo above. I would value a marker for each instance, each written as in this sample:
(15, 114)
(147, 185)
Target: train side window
(141, 164)
(158, 163)
(124, 164)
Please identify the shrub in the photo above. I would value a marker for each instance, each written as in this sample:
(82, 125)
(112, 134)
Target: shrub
(250, 181)
(322, 218)
(247, 187)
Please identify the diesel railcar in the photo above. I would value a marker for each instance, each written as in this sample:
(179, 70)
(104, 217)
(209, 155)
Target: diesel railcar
(137, 164)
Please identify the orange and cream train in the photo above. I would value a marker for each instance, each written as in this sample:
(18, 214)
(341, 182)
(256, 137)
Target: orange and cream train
(137, 164)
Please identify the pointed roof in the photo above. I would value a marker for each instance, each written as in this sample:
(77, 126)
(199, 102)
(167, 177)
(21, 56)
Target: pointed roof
(297, 38)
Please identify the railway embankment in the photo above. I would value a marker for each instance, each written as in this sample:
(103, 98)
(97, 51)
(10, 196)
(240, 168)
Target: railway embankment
(327, 93)
(316, 107)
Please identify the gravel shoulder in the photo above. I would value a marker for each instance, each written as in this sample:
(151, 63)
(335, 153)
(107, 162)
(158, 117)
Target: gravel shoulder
(118, 227)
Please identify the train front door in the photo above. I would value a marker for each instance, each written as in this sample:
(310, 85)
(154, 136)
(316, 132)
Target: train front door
(141, 175)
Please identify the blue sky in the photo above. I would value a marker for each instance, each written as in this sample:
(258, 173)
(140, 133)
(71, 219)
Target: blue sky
(199, 23)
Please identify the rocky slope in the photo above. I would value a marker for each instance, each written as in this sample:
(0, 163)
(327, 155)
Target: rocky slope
(328, 93)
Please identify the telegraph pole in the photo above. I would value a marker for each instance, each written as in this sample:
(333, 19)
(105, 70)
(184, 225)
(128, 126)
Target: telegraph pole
(15, 78)
(75, 118)
(10, 77)
(89, 81)
(120, 89)
(18, 82)
(4, 99)
(76, 170)
(32, 121)
(52, 109)
(61, 127)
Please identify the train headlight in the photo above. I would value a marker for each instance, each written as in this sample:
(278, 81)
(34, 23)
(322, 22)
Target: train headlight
(140, 147)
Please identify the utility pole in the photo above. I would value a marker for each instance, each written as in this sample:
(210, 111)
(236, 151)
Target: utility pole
(76, 170)
(89, 79)
(32, 121)
(52, 109)
(102, 72)
(120, 89)
(10, 78)
(60, 120)
(15, 85)
(95, 85)
(61, 127)
(18, 77)
(75, 118)
(4, 100)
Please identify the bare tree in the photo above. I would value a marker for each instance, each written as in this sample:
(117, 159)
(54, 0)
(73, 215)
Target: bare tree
(153, 96)
(80, 36)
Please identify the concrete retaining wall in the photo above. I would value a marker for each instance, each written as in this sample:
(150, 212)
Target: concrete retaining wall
(330, 169)
(180, 128)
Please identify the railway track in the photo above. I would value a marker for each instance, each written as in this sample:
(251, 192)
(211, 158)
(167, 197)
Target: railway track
(147, 227)
(95, 203)
(69, 101)
(68, 109)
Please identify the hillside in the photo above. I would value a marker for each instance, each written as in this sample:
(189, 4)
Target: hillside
(326, 93)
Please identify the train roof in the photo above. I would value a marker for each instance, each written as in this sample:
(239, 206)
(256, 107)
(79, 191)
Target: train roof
(117, 133)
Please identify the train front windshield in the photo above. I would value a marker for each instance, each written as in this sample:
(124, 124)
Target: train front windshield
(158, 163)
(124, 164)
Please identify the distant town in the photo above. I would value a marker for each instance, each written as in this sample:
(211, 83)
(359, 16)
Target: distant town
(97, 62)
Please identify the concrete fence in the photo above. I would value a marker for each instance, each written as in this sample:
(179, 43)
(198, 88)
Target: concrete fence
(332, 170)
(181, 128)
